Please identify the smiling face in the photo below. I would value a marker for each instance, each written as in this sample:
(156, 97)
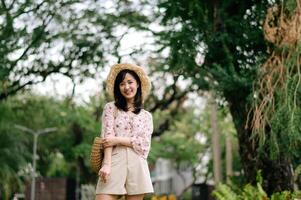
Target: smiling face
(128, 87)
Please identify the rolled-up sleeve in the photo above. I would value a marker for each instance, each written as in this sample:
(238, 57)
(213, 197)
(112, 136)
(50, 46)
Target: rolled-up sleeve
(141, 141)
(107, 123)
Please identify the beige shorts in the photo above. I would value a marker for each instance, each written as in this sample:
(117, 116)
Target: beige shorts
(129, 174)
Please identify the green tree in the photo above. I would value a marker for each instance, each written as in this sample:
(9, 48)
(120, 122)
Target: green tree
(13, 157)
(68, 37)
(219, 45)
(61, 153)
(13, 150)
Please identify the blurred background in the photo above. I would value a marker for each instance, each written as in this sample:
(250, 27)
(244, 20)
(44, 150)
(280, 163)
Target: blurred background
(225, 94)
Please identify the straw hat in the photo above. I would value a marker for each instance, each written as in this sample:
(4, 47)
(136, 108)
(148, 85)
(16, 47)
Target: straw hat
(115, 69)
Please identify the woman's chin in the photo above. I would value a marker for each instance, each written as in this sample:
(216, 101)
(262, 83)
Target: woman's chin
(129, 97)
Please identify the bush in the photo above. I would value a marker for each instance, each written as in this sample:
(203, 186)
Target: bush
(250, 192)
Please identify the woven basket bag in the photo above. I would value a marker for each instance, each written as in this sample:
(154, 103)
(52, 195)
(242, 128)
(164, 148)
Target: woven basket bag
(97, 154)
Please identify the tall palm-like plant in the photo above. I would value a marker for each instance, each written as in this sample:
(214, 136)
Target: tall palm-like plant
(12, 159)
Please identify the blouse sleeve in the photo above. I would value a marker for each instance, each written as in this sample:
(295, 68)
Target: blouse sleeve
(141, 141)
(107, 128)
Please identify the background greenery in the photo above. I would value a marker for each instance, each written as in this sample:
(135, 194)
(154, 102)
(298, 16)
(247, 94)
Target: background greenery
(212, 48)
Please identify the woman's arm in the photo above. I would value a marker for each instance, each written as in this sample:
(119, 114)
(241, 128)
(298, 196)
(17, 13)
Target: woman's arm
(105, 170)
(107, 156)
(112, 141)
(107, 131)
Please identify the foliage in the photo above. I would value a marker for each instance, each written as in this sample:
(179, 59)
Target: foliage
(216, 33)
(13, 151)
(220, 46)
(278, 90)
(59, 152)
(178, 143)
(58, 166)
(67, 37)
(188, 140)
(217, 45)
(13, 156)
(250, 192)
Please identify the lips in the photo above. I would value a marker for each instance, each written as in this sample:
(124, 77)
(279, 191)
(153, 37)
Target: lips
(128, 93)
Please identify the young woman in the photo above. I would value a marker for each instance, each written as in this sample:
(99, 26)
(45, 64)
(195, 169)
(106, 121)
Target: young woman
(126, 129)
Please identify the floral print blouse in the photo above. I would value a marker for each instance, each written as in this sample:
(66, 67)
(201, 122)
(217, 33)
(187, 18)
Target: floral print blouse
(138, 127)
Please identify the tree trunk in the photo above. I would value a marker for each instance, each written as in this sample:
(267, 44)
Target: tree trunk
(229, 157)
(277, 174)
(216, 149)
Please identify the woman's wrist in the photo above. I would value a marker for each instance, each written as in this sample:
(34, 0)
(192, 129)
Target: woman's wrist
(125, 141)
(106, 163)
(118, 141)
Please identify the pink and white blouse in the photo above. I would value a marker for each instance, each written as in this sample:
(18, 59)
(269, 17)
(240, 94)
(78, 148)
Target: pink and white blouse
(138, 127)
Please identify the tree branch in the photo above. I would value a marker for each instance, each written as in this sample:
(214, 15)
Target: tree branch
(4, 5)
(11, 5)
(117, 45)
(21, 12)
(36, 39)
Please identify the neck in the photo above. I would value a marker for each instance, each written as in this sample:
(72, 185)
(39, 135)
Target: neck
(130, 106)
(130, 102)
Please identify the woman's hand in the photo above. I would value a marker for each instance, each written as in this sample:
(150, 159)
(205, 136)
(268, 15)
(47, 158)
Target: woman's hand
(110, 141)
(105, 172)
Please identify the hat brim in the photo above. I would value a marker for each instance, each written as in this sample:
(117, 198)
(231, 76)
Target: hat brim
(115, 69)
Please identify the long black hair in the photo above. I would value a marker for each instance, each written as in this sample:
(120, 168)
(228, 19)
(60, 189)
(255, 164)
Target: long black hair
(120, 101)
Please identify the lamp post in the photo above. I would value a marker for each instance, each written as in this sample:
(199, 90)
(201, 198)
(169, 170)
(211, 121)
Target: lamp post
(35, 141)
